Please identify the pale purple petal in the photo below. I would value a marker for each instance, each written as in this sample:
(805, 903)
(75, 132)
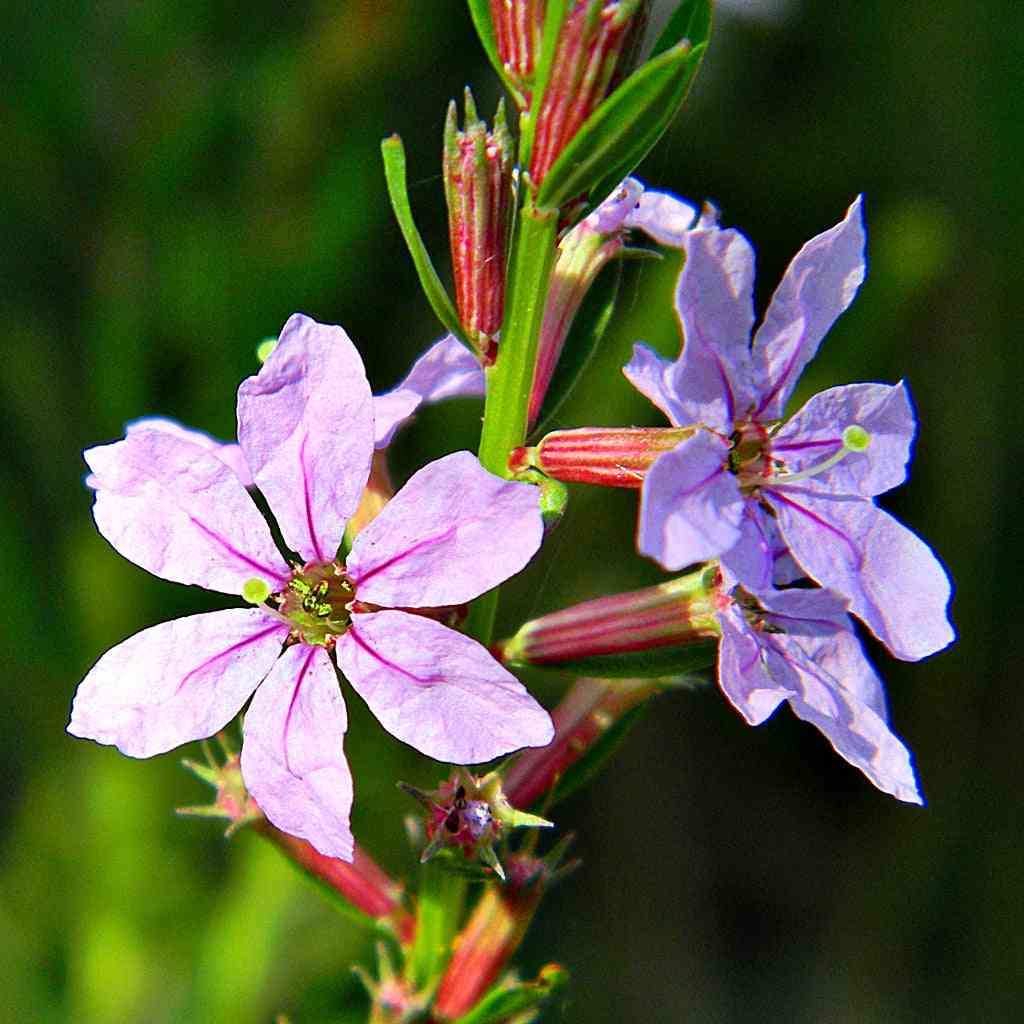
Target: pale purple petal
(752, 678)
(818, 285)
(446, 370)
(293, 760)
(179, 681)
(305, 424)
(815, 433)
(711, 379)
(857, 732)
(227, 451)
(893, 581)
(614, 213)
(664, 217)
(690, 504)
(178, 511)
(651, 375)
(438, 690)
(451, 533)
(751, 560)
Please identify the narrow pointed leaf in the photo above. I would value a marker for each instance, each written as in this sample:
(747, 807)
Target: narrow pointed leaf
(690, 20)
(622, 131)
(394, 171)
(588, 329)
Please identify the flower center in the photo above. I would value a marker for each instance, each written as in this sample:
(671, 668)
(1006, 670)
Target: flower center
(316, 602)
(751, 460)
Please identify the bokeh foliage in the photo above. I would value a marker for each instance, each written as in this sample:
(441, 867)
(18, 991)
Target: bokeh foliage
(179, 178)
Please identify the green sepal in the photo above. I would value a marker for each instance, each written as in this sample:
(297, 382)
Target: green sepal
(580, 772)
(554, 17)
(506, 1000)
(690, 20)
(654, 663)
(393, 153)
(588, 328)
(623, 129)
(480, 12)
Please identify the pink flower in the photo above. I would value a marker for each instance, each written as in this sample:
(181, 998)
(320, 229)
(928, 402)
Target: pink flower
(173, 506)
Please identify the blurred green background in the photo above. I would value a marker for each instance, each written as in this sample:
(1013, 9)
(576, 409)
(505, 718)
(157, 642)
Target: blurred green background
(179, 178)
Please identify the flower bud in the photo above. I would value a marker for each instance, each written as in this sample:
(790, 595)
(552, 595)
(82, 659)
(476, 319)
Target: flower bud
(607, 456)
(592, 52)
(494, 931)
(518, 27)
(679, 612)
(478, 189)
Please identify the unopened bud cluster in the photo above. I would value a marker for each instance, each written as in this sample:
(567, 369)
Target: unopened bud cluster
(478, 189)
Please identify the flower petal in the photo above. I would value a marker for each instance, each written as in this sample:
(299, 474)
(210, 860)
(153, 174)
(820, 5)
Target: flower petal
(293, 761)
(179, 681)
(439, 690)
(651, 375)
(711, 379)
(893, 581)
(178, 511)
(690, 504)
(227, 451)
(818, 285)
(857, 732)
(451, 533)
(446, 370)
(751, 560)
(743, 670)
(815, 433)
(305, 424)
(664, 217)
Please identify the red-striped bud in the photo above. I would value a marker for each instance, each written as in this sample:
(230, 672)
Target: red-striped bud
(608, 456)
(593, 50)
(478, 188)
(518, 26)
(680, 612)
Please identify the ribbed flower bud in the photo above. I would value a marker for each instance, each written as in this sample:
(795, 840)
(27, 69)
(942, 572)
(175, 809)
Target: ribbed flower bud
(607, 456)
(518, 26)
(594, 49)
(680, 612)
(478, 188)
(494, 931)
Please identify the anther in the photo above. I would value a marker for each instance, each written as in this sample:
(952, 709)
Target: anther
(255, 591)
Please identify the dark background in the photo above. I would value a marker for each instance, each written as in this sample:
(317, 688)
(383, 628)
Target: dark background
(179, 178)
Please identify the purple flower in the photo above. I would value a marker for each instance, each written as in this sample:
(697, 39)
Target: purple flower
(748, 489)
(174, 507)
(799, 646)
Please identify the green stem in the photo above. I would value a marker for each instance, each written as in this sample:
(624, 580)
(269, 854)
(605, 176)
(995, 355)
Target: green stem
(439, 906)
(510, 379)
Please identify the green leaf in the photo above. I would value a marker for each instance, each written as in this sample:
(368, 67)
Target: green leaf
(553, 18)
(655, 663)
(585, 335)
(503, 1001)
(690, 20)
(394, 171)
(623, 130)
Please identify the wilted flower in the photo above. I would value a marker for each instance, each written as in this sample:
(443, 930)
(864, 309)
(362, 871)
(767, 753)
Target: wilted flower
(306, 430)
